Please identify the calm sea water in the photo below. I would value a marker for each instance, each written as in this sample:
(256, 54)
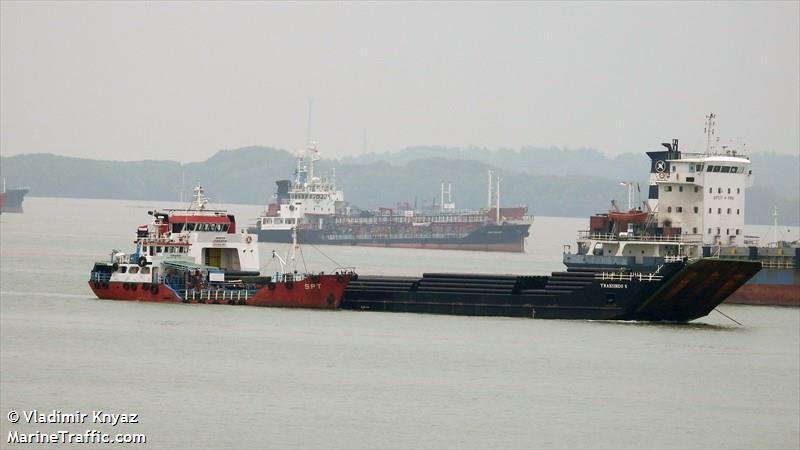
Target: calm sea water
(218, 376)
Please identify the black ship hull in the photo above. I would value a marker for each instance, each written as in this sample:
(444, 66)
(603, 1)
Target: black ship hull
(679, 292)
(497, 238)
(11, 200)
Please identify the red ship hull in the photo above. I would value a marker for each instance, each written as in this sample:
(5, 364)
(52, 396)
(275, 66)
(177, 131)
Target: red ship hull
(326, 293)
(766, 294)
(508, 248)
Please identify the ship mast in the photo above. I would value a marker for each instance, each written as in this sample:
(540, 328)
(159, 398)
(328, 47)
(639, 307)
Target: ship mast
(199, 199)
(293, 258)
(711, 121)
(489, 197)
(775, 225)
(294, 249)
(497, 211)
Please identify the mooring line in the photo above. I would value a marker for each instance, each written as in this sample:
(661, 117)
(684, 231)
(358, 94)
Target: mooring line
(729, 317)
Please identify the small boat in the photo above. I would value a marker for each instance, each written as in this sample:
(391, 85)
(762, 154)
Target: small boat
(196, 256)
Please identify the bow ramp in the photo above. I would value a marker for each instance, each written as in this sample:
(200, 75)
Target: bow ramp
(697, 289)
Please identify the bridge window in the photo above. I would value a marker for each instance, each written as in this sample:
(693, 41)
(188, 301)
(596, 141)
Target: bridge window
(709, 168)
(726, 169)
(716, 168)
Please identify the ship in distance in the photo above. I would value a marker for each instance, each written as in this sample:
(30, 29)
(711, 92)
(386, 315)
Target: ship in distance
(314, 204)
(11, 199)
(646, 263)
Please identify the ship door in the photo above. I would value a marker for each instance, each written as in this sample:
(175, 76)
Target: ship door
(211, 257)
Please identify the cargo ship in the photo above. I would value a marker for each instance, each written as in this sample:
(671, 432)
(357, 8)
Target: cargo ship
(701, 196)
(11, 200)
(314, 205)
(195, 255)
(647, 263)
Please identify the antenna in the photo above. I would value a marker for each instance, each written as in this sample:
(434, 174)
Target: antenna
(489, 197)
(442, 202)
(775, 225)
(497, 215)
(711, 121)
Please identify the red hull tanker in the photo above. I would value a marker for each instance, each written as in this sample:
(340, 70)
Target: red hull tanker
(325, 292)
(196, 256)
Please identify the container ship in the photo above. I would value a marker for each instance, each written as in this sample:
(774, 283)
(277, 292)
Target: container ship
(195, 255)
(314, 205)
(11, 200)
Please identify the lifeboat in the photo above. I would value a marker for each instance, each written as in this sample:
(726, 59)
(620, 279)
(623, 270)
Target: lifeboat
(632, 216)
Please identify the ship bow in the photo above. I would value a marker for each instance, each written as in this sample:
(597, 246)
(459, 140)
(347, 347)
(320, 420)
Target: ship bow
(697, 289)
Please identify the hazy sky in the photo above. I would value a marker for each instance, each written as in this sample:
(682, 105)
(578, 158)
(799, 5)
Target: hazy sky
(182, 80)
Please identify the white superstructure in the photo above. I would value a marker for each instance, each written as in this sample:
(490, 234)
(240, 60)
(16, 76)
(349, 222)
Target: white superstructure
(703, 195)
(696, 208)
(193, 235)
(308, 199)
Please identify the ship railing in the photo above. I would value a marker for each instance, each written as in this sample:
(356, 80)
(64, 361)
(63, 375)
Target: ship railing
(629, 276)
(344, 270)
(682, 239)
(100, 276)
(215, 295)
(778, 265)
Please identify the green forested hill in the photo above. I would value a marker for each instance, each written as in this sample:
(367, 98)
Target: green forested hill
(550, 181)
